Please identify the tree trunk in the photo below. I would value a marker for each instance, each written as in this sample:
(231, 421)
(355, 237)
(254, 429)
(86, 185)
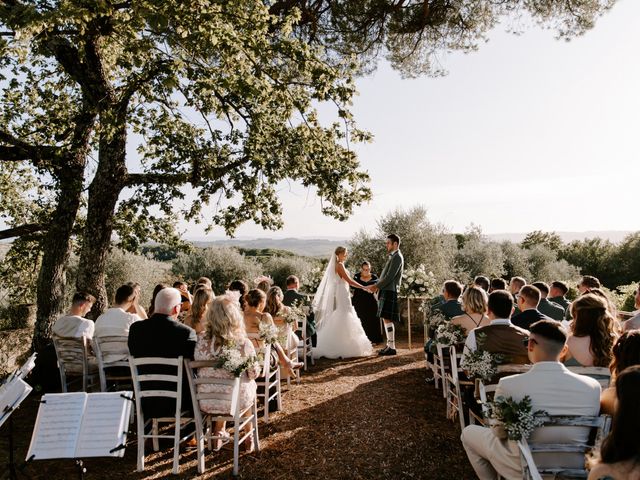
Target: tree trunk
(57, 248)
(103, 196)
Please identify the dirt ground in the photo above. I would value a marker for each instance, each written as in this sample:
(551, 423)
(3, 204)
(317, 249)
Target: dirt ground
(373, 418)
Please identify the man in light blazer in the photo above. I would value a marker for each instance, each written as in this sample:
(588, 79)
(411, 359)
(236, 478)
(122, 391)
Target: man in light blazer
(552, 388)
(388, 285)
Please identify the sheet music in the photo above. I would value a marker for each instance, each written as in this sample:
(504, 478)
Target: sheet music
(11, 396)
(104, 425)
(81, 425)
(57, 426)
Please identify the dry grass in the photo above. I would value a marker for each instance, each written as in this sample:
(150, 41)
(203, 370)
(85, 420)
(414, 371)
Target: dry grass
(348, 419)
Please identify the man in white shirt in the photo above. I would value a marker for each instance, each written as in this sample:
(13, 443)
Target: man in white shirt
(74, 324)
(116, 320)
(551, 387)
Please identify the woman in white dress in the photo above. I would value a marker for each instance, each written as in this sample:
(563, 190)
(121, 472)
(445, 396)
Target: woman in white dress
(340, 332)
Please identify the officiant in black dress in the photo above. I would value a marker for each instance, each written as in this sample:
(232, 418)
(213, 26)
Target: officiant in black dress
(366, 305)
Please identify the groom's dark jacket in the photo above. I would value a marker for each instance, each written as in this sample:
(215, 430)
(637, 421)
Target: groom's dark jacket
(291, 297)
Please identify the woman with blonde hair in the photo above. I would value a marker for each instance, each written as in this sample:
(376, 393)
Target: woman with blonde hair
(278, 311)
(255, 302)
(592, 334)
(474, 304)
(195, 317)
(224, 328)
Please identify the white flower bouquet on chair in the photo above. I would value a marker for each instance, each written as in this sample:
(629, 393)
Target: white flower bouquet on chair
(448, 334)
(231, 360)
(517, 419)
(482, 364)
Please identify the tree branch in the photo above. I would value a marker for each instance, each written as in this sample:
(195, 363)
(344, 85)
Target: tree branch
(22, 230)
(135, 81)
(16, 149)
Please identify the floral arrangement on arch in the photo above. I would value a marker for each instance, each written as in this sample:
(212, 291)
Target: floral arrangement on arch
(418, 282)
(482, 364)
(231, 360)
(516, 418)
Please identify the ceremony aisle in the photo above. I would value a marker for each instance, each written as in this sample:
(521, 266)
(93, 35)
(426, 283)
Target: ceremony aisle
(348, 419)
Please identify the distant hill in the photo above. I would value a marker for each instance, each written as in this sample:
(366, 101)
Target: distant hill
(310, 247)
(614, 236)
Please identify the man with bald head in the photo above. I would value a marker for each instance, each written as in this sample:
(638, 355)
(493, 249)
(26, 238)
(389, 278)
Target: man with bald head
(161, 335)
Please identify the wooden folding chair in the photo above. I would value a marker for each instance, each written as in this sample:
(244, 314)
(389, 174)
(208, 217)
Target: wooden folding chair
(238, 417)
(530, 471)
(305, 344)
(269, 379)
(112, 351)
(74, 361)
(601, 374)
(171, 388)
(455, 405)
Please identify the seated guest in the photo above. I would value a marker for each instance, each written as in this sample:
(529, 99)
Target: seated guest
(73, 324)
(206, 281)
(482, 282)
(587, 283)
(195, 316)
(256, 301)
(528, 301)
(263, 283)
(474, 304)
(156, 289)
(634, 322)
(546, 307)
(185, 296)
(161, 335)
(278, 310)
(224, 327)
(500, 336)
(450, 306)
(515, 284)
(620, 451)
(242, 288)
(626, 353)
(116, 320)
(591, 336)
(135, 306)
(551, 387)
(292, 296)
(557, 294)
(498, 284)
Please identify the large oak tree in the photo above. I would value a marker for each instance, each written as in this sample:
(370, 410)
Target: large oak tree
(219, 98)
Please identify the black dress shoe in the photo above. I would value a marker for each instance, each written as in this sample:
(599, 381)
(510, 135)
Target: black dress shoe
(381, 352)
(388, 352)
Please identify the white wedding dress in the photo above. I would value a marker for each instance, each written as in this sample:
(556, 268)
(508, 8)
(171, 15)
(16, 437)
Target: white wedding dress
(340, 333)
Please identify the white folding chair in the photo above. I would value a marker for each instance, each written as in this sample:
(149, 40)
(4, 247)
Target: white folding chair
(239, 418)
(292, 353)
(438, 369)
(486, 390)
(74, 361)
(455, 405)
(305, 344)
(601, 374)
(163, 386)
(269, 379)
(530, 471)
(112, 351)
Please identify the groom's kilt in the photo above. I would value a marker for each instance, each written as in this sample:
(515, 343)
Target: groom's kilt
(388, 307)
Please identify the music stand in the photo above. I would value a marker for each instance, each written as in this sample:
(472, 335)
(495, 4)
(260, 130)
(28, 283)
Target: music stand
(81, 425)
(12, 393)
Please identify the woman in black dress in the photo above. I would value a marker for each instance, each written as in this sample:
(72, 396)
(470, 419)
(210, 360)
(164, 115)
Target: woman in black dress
(366, 304)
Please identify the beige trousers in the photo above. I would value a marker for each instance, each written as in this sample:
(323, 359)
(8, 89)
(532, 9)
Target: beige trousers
(490, 456)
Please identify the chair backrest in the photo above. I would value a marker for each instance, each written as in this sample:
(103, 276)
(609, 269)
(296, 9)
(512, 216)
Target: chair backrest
(601, 374)
(72, 353)
(111, 350)
(602, 425)
(161, 385)
(301, 325)
(229, 393)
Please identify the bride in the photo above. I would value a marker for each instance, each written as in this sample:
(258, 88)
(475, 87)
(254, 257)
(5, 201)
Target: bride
(340, 333)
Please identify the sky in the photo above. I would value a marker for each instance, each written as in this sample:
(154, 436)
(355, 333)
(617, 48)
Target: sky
(528, 133)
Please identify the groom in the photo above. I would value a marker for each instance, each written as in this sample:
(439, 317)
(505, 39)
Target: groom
(387, 286)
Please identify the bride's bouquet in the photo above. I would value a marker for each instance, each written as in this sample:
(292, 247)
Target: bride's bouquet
(231, 360)
(418, 282)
